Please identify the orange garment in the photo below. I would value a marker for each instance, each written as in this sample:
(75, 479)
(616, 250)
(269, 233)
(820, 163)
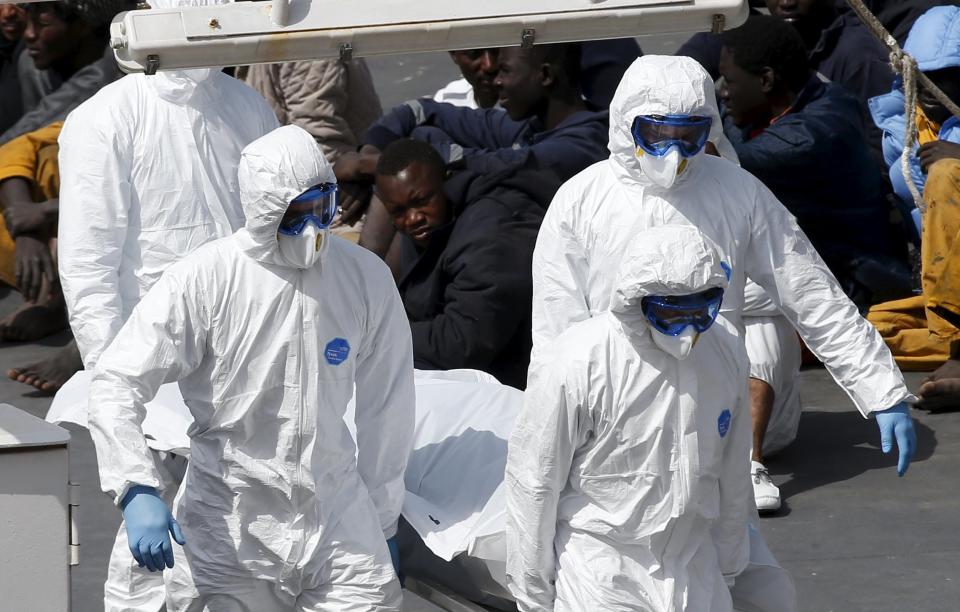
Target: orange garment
(919, 330)
(33, 157)
(927, 130)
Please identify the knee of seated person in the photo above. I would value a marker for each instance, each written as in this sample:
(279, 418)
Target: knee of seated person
(943, 182)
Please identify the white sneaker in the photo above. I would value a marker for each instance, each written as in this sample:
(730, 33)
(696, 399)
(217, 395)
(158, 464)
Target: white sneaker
(764, 491)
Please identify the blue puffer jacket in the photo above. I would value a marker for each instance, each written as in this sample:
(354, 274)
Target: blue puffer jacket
(934, 41)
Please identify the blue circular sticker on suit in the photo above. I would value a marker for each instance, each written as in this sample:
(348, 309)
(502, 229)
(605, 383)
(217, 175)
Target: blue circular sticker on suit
(337, 351)
(723, 423)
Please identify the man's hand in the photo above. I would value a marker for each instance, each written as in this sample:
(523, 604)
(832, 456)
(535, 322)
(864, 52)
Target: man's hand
(149, 524)
(355, 173)
(33, 262)
(896, 423)
(933, 152)
(25, 217)
(354, 201)
(357, 167)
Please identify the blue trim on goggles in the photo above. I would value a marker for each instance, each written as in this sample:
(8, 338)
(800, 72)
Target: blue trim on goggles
(655, 134)
(317, 205)
(671, 314)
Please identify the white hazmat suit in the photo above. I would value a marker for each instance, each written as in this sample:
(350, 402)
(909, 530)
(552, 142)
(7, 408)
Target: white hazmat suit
(148, 174)
(626, 471)
(279, 507)
(596, 213)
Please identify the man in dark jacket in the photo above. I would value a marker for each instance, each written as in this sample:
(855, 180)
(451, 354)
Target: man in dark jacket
(13, 21)
(898, 16)
(546, 125)
(466, 250)
(839, 47)
(67, 59)
(804, 139)
(546, 117)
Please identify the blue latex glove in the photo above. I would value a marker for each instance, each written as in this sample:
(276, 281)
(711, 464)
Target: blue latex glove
(149, 525)
(394, 554)
(896, 423)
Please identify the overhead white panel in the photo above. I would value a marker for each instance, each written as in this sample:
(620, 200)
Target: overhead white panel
(258, 32)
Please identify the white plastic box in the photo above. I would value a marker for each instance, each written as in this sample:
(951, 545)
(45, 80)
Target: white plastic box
(35, 534)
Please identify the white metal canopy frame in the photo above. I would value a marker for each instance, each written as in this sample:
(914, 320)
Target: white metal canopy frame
(252, 32)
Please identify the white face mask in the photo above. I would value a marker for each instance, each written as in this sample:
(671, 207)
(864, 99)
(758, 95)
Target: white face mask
(304, 250)
(663, 171)
(679, 346)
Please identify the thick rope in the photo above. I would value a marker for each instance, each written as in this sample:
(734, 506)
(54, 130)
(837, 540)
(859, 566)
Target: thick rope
(880, 33)
(906, 67)
(908, 70)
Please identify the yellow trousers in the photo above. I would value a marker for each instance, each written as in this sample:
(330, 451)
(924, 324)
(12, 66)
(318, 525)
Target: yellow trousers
(32, 157)
(919, 330)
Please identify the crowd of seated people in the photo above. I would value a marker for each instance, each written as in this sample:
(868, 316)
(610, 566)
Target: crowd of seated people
(807, 100)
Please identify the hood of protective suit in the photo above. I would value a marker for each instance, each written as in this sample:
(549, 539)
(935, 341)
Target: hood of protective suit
(180, 86)
(273, 170)
(661, 85)
(664, 260)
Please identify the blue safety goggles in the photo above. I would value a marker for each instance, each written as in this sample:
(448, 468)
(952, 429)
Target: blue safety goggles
(317, 205)
(655, 134)
(671, 314)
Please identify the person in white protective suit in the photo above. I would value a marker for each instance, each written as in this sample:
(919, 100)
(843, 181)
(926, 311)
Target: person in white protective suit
(626, 485)
(148, 174)
(596, 214)
(267, 332)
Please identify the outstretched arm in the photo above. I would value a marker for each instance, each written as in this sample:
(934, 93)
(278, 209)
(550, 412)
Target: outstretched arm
(782, 260)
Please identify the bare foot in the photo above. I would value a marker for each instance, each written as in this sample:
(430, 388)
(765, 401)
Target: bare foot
(48, 376)
(32, 322)
(941, 390)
